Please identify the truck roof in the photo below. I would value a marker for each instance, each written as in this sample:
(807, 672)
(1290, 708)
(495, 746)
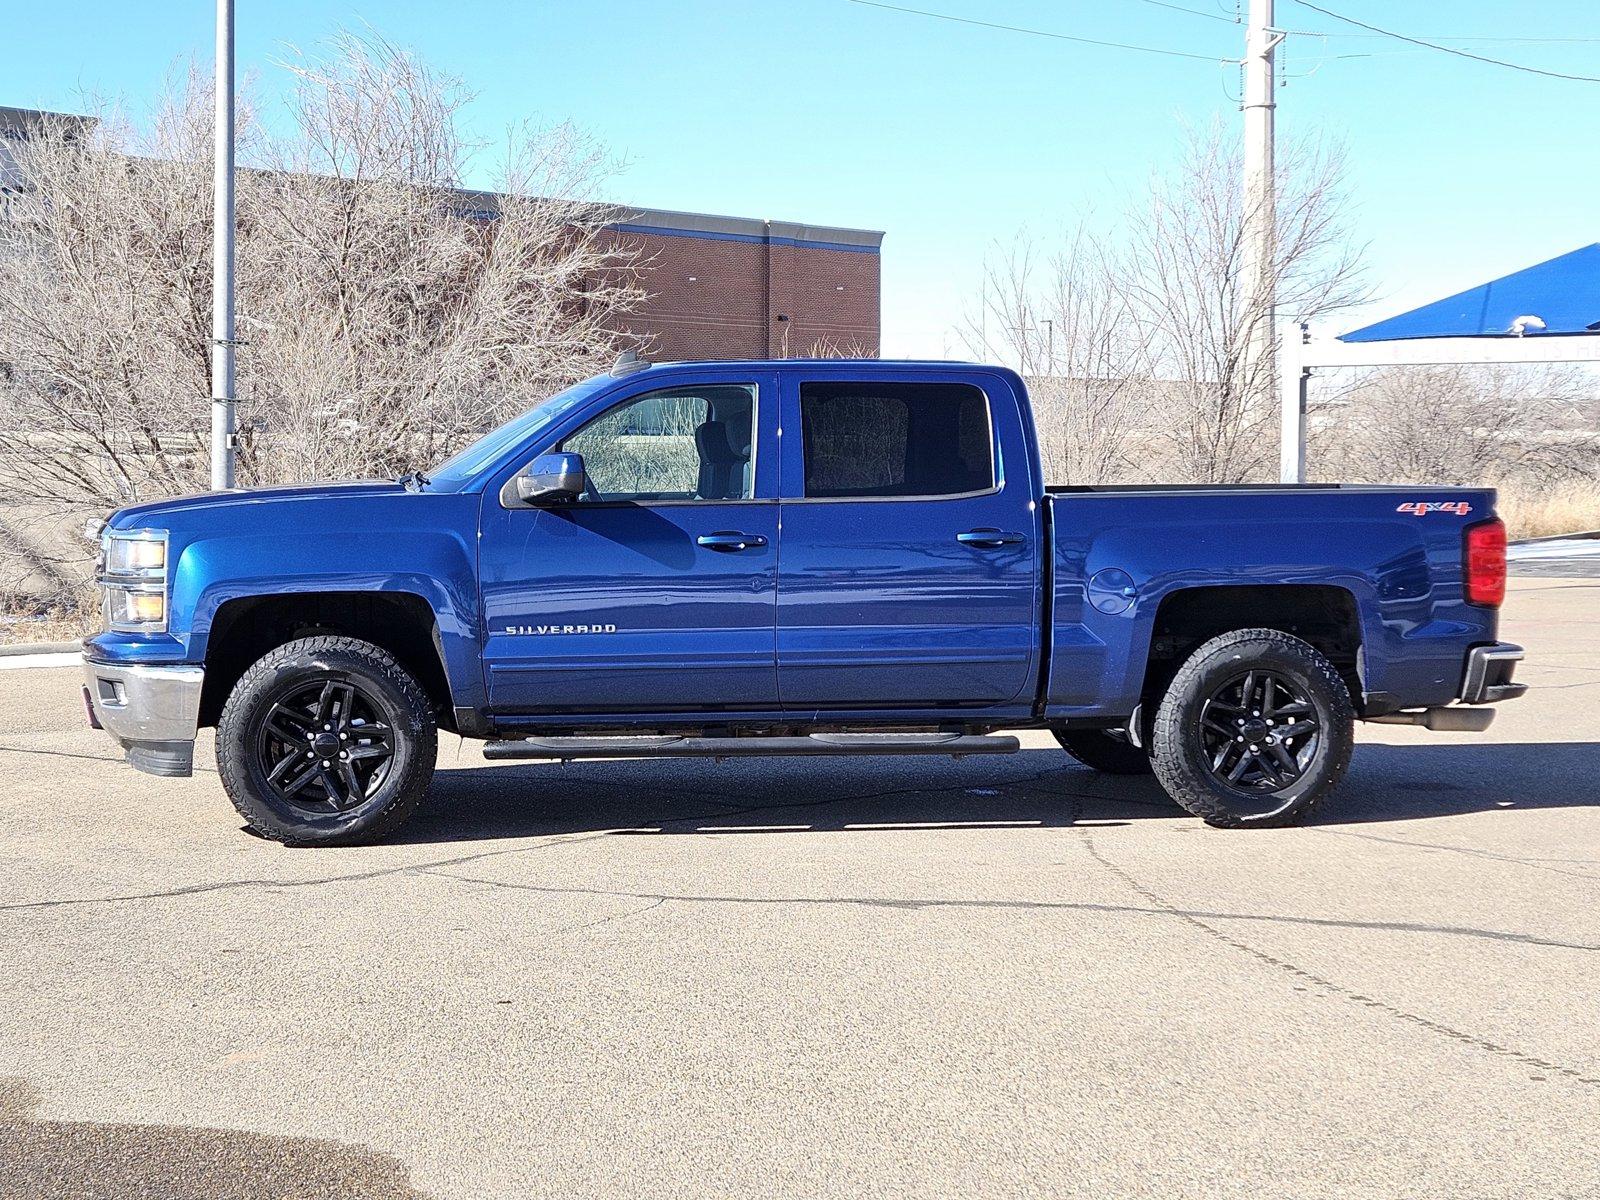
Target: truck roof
(780, 363)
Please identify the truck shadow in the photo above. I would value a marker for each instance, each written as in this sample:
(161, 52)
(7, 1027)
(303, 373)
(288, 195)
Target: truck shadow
(90, 1160)
(1035, 788)
(1403, 783)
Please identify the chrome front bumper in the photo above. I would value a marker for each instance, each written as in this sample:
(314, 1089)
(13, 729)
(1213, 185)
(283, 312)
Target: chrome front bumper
(151, 712)
(1488, 675)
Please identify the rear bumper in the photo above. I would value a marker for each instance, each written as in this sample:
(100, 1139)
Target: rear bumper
(151, 712)
(1488, 675)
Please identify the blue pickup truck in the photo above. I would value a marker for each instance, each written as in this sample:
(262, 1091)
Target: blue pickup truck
(796, 557)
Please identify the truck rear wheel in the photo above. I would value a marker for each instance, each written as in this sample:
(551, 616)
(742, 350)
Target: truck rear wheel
(1255, 729)
(1103, 750)
(326, 741)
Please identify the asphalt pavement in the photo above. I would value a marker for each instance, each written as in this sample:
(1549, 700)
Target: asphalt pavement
(809, 978)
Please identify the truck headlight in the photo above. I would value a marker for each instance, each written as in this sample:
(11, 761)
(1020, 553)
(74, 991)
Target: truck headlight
(140, 555)
(133, 572)
(133, 610)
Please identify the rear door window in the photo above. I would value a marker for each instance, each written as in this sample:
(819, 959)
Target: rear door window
(867, 440)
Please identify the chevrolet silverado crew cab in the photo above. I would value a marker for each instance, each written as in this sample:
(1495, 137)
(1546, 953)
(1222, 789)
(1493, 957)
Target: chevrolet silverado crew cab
(797, 557)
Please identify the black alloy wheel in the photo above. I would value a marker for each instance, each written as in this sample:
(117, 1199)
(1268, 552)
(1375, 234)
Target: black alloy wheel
(326, 746)
(1260, 732)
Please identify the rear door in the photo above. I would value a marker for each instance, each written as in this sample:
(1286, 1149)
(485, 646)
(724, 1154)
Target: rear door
(910, 572)
(655, 592)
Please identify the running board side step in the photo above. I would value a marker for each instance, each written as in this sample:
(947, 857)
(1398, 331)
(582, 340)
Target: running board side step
(955, 744)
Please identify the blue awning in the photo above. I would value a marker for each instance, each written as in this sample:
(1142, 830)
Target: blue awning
(1564, 293)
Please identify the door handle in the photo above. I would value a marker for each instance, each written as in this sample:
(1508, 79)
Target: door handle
(730, 540)
(987, 539)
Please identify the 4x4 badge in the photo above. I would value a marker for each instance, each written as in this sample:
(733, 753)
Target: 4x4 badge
(1421, 508)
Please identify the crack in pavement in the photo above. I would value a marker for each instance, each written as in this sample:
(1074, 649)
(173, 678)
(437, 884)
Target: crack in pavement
(1329, 986)
(624, 916)
(726, 810)
(542, 843)
(105, 758)
(225, 885)
(1536, 864)
(915, 903)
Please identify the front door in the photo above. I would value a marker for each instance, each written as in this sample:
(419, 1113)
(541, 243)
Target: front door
(654, 592)
(910, 574)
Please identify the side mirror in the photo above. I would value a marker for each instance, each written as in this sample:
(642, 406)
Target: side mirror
(551, 477)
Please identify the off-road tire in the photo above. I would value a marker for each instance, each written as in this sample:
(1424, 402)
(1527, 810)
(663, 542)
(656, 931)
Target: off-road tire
(377, 673)
(1102, 750)
(1177, 750)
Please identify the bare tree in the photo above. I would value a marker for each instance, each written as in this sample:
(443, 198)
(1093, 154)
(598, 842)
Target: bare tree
(1187, 282)
(1066, 321)
(828, 346)
(103, 303)
(387, 317)
(1456, 425)
(1137, 337)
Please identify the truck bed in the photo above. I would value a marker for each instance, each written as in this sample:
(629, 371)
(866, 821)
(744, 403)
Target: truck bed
(1123, 488)
(1393, 554)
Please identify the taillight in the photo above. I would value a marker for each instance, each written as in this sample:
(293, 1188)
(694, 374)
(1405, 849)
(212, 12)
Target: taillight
(1486, 563)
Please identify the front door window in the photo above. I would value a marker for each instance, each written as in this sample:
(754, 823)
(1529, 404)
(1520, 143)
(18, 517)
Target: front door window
(672, 445)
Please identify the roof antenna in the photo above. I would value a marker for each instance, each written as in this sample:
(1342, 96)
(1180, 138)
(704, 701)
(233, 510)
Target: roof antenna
(627, 363)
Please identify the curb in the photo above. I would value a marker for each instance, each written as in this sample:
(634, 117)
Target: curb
(1583, 535)
(12, 650)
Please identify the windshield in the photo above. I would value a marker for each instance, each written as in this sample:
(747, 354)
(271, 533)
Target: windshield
(488, 449)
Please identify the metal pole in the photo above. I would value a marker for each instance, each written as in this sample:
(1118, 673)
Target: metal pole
(1292, 414)
(222, 339)
(1258, 274)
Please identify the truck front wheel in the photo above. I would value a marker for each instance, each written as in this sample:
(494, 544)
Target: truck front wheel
(1256, 728)
(326, 741)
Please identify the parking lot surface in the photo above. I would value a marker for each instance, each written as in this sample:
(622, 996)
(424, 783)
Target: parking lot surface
(875, 977)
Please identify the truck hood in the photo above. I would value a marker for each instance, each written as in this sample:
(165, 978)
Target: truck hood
(161, 513)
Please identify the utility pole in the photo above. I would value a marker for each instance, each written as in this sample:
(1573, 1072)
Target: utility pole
(222, 339)
(1260, 199)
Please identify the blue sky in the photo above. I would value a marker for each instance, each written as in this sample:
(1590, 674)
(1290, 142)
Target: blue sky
(948, 136)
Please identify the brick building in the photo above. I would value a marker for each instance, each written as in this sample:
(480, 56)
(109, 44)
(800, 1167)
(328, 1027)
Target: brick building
(718, 287)
(739, 287)
(735, 287)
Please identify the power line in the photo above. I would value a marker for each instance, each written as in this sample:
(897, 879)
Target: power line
(1234, 20)
(1044, 33)
(1374, 31)
(1446, 37)
(1497, 62)
(1194, 12)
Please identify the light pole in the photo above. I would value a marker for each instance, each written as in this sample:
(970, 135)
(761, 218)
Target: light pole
(222, 339)
(1259, 249)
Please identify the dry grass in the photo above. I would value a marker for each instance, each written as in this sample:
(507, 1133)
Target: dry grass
(23, 621)
(1532, 511)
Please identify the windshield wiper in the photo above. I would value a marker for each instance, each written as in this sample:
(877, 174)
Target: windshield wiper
(412, 481)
